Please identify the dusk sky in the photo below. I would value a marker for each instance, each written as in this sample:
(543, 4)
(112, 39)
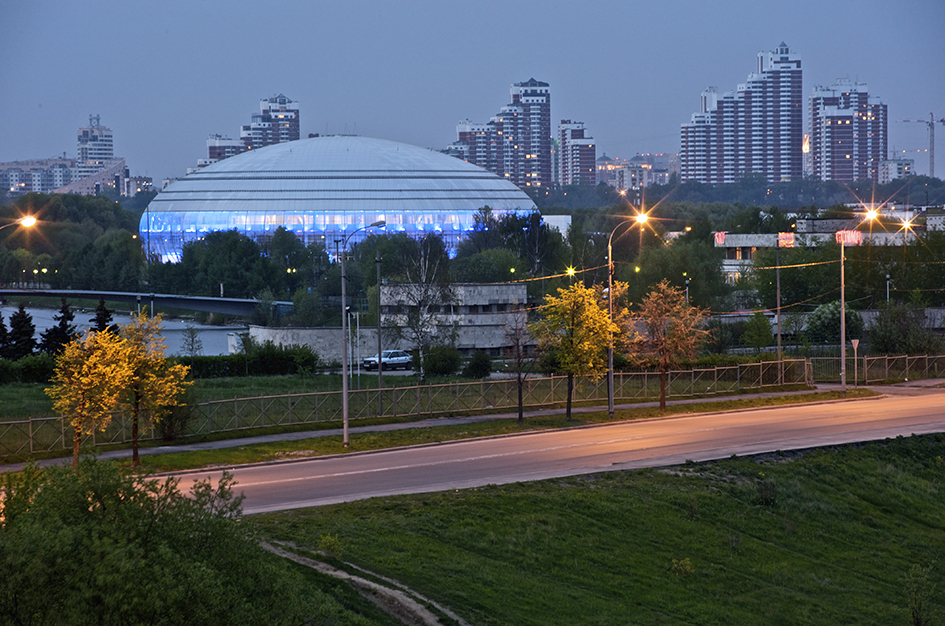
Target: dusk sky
(165, 75)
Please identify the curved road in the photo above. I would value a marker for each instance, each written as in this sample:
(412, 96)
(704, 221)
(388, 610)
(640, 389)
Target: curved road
(627, 445)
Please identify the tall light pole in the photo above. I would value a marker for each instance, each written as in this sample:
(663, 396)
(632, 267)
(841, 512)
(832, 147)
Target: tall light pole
(344, 326)
(380, 359)
(640, 219)
(843, 238)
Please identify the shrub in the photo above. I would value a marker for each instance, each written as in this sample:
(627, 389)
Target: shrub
(479, 366)
(8, 372)
(36, 368)
(823, 324)
(442, 361)
(267, 359)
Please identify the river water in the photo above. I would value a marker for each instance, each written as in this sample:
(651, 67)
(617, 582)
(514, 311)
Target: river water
(213, 338)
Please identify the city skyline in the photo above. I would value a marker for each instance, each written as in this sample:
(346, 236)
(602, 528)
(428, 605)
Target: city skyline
(164, 81)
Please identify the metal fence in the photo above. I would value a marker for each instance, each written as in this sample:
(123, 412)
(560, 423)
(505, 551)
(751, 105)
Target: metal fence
(53, 434)
(867, 370)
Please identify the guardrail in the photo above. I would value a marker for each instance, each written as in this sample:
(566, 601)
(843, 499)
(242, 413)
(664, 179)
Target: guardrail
(19, 439)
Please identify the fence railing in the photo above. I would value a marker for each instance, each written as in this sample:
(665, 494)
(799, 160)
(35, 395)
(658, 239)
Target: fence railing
(867, 370)
(54, 434)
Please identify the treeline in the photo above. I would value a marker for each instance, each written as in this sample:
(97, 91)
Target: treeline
(79, 242)
(751, 190)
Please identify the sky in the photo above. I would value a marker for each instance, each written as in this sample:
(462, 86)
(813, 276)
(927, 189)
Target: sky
(166, 75)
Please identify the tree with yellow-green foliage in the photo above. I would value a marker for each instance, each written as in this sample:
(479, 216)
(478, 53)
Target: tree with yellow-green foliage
(155, 384)
(575, 327)
(91, 375)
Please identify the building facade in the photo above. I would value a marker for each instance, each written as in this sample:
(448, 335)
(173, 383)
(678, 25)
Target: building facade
(276, 122)
(891, 169)
(577, 155)
(516, 143)
(95, 148)
(848, 132)
(756, 129)
(36, 175)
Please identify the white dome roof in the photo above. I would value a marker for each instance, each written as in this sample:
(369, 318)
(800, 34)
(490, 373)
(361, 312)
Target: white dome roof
(342, 173)
(326, 188)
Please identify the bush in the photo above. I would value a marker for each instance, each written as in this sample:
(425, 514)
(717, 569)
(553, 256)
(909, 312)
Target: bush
(479, 366)
(442, 361)
(36, 368)
(267, 359)
(823, 324)
(8, 372)
(141, 553)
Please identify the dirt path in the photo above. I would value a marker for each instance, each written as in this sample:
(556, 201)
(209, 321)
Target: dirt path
(396, 599)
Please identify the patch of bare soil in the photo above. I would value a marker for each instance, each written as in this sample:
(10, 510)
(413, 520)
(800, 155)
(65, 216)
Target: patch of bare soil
(396, 599)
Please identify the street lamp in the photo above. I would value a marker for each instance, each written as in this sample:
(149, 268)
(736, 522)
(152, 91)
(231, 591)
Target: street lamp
(640, 219)
(26, 222)
(344, 325)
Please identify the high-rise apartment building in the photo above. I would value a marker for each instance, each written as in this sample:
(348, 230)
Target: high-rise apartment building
(848, 132)
(756, 129)
(516, 142)
(276, 122)
(577, 155)
(95, 148)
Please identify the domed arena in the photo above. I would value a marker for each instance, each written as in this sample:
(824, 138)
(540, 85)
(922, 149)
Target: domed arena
(325, 189)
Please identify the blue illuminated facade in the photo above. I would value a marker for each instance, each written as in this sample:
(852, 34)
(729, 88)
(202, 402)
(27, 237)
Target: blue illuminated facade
(325, 188)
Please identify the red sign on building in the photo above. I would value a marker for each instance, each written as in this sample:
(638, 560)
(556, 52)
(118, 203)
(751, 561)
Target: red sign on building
(785, 240)
(720, 238)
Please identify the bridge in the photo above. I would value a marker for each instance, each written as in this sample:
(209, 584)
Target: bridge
(240, 307)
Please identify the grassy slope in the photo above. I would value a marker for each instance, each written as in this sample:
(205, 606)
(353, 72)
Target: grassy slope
(832, 547)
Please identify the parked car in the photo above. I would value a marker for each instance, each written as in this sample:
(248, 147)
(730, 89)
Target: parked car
(390, 360)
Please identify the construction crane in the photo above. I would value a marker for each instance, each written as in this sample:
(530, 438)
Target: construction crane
(931, 124)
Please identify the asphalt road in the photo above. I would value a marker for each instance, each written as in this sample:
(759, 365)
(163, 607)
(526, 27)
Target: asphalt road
(549, 454)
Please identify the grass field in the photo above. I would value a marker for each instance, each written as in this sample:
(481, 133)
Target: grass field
(824, 537)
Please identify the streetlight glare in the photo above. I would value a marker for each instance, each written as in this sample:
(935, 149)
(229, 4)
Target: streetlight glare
(642, 218)
(28, 221)
(570, 271)
(872, 214)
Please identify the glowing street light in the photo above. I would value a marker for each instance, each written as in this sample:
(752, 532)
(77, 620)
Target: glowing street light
(27, 221)
(640, 219)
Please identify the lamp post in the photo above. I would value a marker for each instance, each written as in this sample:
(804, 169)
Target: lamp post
(26, 221)
(843, 238)
(380, 359)
(641, 220)
(344, 325)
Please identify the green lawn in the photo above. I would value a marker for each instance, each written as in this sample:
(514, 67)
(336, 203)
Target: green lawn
(826, 537)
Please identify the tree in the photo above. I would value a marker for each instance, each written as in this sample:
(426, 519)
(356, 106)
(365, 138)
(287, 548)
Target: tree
(22, 334)
(903, 329)
(91, 375)
(758, 333)
(576, 328)
(425, 291)
(103, 318)
(191, 342)
(516, 332)
(673, 329)
(823, 324)
(155, 384)
(496, 265)
(95, 546)
(56, 337)
(4, 340)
